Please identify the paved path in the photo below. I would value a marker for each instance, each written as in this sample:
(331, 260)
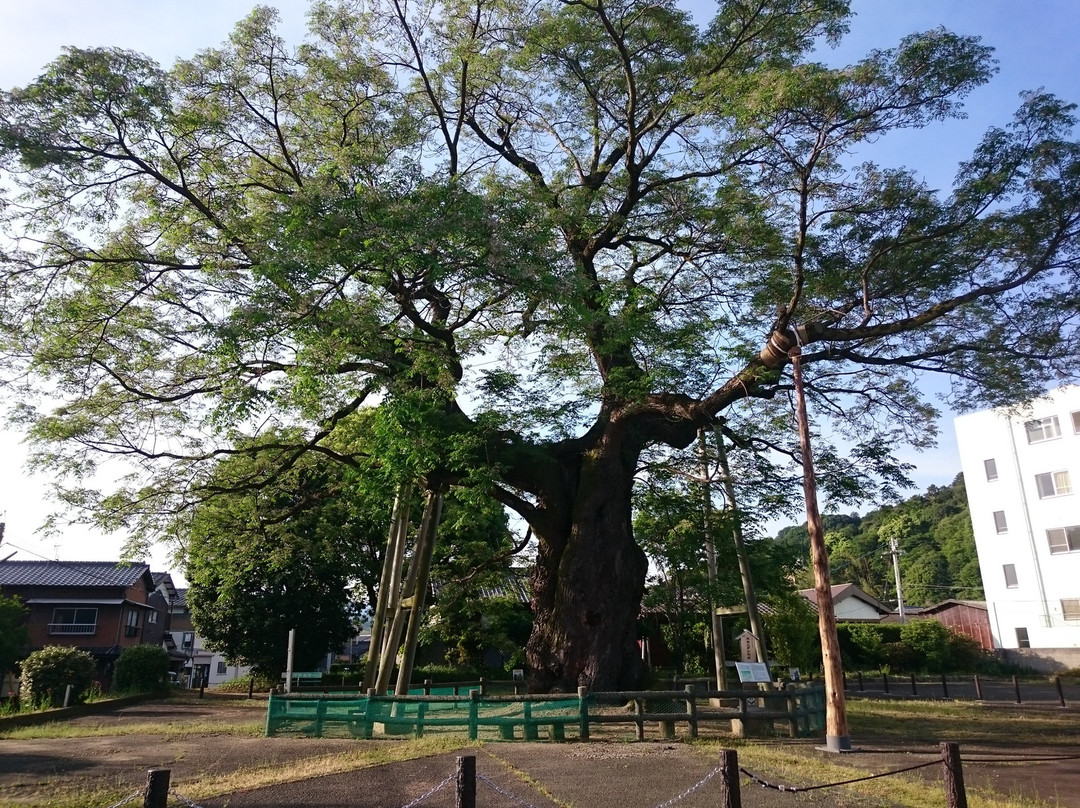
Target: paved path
(601, 775)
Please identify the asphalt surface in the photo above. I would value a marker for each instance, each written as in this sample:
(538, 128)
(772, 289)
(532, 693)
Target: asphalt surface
(533, 775)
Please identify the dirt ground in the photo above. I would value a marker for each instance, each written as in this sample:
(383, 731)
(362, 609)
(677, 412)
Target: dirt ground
(537, 774)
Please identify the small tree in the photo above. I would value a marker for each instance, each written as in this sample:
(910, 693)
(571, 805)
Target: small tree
(14, 636)
(791, 627)
(141, 668)
(47, 673)
(929, 642)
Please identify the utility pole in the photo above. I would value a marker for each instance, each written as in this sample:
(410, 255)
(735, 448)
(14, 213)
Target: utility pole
(836, 727)
(895, 553)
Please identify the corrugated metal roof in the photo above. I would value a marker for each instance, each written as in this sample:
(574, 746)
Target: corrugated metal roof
(70, 573)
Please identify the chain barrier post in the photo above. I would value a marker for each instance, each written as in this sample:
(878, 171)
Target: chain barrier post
(1016, 688)
(466, 781)
(944, 687)
(1060, 692)
(729, 779)
(955, 795)
(914, 688)
(157, 788)
(978, 688)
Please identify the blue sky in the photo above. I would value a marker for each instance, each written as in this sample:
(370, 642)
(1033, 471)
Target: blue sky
(1035, 42)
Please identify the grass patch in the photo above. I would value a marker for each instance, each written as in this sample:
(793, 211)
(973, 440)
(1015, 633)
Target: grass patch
(963, 722)
(169, 730)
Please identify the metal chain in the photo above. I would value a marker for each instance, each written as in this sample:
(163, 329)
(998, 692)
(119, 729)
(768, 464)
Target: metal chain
(184, 800)
(700, 784)
(505, 793)
(423, 797)
(798, 789)
(128, 799)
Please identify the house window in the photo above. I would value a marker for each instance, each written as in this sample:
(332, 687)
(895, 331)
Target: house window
(74, 621)
(1043, 429)
(1064, 539)
(1076, 422)
(991, 469)
(221, 667)
(189, 640)
(1022, 640)
(131, 627)
(1070, 608)
(1010, 576)
(151, 618)
(1000, 523)
(1053, 484)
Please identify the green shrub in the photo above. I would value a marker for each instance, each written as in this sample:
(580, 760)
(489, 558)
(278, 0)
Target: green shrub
(141, 668)
(47, 673)
(929, 644)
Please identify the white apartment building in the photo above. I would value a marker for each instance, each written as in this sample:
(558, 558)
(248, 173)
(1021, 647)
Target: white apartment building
(1022, 473)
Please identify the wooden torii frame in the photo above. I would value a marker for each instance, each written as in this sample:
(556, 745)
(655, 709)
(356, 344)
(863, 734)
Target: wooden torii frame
(399, 606)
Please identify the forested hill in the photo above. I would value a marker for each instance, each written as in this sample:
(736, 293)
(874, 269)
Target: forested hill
(937, 547)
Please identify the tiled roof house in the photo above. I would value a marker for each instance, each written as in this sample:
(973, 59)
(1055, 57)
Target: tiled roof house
(102, 607)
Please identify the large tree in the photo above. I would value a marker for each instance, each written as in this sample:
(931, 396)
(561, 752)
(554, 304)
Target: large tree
(550, 235)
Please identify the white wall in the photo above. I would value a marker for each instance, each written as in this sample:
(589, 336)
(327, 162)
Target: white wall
(1043, 578)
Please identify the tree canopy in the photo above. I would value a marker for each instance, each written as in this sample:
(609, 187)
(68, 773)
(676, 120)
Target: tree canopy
(548, 236)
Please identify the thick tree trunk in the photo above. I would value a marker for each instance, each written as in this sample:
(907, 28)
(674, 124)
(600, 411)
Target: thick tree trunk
(589, 581)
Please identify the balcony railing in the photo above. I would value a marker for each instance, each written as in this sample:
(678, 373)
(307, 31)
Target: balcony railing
(72, 628)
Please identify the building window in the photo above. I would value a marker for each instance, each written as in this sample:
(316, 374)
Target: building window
(1064, 539)
(74, 621)
(1076, 422)
(1070, 608)
(1010, 576)
(1000, 523)
(1043, 429)
(188, 642)
(221, 667)
(151, 618)
(131, 628)
(991, 469)
(1022, 640)
(1053, 484)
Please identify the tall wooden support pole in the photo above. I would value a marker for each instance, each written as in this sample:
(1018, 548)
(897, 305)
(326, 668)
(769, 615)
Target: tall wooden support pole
(836, 727)
(402, 603)
(710, 560)
(425, 549)
(392, 560)
(757, 628)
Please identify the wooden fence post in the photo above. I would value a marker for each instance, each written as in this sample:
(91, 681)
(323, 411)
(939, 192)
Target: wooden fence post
(978, 688)
(885, 681)
(914, 689)
(729, 779)
(639, 708)
(466, 782)
(474, 713)
(955, 795)
(860, 682)
(691, 710)
(583, 707)
(1061, 694)
(1016, 688)
(157, 788)
(944, 687)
